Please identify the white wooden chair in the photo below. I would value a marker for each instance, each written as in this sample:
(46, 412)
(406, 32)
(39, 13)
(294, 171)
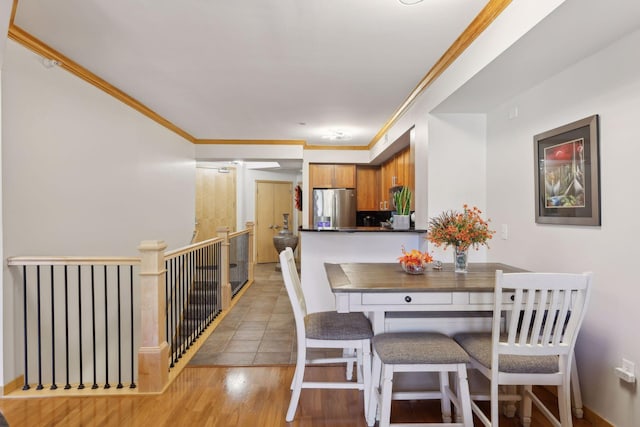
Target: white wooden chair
(419, 352)
(544, 314)
(328, 330)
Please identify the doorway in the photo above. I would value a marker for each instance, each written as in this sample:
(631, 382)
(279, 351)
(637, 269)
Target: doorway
(273, 199)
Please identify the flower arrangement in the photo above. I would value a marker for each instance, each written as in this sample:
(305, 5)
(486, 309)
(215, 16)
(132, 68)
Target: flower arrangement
(414, 262)
(461, 229)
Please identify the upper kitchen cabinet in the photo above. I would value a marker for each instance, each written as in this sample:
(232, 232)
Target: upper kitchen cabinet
(396, 171)
(332, 176)
(403, 169)
(368, 184)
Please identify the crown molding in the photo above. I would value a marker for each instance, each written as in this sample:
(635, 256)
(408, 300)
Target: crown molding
(14, 8)
(480, 23)
(250, 141)
(336, 147)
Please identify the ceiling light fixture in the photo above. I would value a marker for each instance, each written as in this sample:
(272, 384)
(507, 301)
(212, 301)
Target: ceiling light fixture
(410, 2)
(337, 135)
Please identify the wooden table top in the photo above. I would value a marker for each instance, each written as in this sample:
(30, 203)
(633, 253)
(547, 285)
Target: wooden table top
(389, 277)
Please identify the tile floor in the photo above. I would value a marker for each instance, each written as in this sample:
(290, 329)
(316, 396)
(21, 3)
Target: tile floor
(259, 330)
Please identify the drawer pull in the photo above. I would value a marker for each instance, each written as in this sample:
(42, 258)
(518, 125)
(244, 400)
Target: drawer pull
(513, 297)
(407, 298)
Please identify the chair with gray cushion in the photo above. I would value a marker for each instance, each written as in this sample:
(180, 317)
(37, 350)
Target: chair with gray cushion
(537, 346)
(419, 352)
(327, 330)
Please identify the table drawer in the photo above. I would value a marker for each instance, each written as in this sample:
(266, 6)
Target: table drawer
(487, 298)
(393, 298)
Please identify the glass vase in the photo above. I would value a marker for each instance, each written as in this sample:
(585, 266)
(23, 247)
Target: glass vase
(460, 259)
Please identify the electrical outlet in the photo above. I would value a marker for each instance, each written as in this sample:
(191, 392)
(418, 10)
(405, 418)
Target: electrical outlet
(627, 371)
(504, 232)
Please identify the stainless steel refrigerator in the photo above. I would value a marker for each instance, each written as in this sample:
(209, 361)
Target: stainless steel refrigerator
(334, 208)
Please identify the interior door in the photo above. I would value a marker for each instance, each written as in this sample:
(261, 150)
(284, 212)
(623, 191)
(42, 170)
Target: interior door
(215, 202)
(273, 199)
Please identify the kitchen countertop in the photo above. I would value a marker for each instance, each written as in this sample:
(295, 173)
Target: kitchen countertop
(363, 229)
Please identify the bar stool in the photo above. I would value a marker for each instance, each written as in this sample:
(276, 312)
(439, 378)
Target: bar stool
(419, 352)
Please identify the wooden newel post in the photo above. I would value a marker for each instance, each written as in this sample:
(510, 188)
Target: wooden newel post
(252, 259)
(223, 233)
(153, 355)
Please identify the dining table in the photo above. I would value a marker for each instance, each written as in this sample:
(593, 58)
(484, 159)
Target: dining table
(379, 289)
(384, 289)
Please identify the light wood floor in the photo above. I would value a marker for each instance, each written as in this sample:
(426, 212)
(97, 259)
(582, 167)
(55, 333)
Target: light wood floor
(222, 397)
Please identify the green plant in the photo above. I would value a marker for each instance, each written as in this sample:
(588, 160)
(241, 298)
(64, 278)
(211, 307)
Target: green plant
(402, 200)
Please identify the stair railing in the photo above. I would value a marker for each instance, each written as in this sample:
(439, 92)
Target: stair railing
(98, 323)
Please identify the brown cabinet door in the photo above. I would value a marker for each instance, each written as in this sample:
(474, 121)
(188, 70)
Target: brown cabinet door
(402, 168)
(320, 176)
(387, 180)
(344, 176)
(332, 176)
(367, 184)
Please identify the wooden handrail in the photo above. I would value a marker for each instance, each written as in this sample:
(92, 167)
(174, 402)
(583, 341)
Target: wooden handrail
(181, 251)
(71, 260)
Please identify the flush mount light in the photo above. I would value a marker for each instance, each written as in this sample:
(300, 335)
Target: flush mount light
(409, 2)
(337, 135)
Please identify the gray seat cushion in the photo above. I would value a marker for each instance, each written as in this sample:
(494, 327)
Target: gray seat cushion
(478, 345)
(331, 325)
(418, 348)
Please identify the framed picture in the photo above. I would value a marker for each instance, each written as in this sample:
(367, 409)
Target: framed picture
(567, 174)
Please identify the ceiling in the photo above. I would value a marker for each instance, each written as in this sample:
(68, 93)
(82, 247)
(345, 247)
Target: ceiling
(291, 70)
(257, 69)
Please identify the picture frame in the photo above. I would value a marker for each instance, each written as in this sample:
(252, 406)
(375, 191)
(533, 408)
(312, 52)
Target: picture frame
(567, 174)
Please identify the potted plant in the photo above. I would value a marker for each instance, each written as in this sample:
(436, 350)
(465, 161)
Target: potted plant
(402, 200)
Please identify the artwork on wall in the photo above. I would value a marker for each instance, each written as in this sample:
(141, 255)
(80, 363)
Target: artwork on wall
(567, 174)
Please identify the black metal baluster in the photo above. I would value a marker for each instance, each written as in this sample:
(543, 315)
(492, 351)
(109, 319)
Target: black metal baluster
(26, 385)
(93, 326)
(198, 307)
(168, 309)
(119, 303)
(81, 385)
(207, 283)
(175, 338)
(218, 278)
(133, 384)
(106, 332)
(184, 325)
(67, 386)
(39, 387)
(53, 335)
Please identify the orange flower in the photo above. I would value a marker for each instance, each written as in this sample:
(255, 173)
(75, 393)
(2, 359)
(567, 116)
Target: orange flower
(462, 229)
(415, 257)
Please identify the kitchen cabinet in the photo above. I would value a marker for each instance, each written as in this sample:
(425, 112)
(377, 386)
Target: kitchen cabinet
(368, 184)
(396, 171)
(332, 176)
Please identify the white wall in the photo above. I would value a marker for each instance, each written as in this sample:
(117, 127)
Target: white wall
(607, 84)
(456, 170)
(83, 174)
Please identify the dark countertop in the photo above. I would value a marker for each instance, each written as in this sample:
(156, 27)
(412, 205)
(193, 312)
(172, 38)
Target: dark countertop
(363, 229)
